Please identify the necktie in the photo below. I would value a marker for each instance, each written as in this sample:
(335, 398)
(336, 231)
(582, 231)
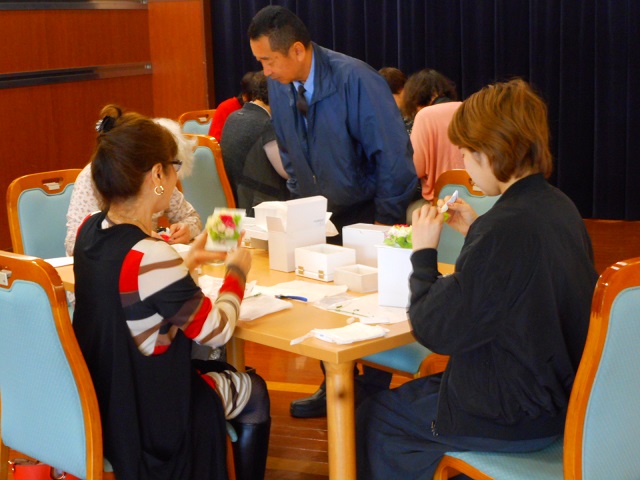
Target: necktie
(301, 102)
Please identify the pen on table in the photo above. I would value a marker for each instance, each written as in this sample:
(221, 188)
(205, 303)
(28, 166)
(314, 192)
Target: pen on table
(291, 297)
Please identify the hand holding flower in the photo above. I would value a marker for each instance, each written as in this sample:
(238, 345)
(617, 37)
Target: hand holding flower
(459, 216)
(427, 227)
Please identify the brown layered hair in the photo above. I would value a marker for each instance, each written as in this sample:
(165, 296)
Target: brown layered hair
(508, 123)
(128, 146)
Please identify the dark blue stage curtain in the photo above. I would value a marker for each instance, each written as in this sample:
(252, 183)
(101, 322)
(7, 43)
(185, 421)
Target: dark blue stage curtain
(583, 57)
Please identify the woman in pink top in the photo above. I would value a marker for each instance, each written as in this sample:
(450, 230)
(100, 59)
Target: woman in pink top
(430, 97)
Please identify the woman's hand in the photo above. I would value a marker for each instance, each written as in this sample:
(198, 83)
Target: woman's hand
(461, 215)
(179, 233)
(427, 223)
(239, 259)
(198, 255)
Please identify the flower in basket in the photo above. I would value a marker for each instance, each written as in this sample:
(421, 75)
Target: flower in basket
(224, 228)
(398, 236)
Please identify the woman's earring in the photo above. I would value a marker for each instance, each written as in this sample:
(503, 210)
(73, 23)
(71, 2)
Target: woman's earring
(159, 190)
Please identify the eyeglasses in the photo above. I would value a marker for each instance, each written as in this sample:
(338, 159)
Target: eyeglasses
(177, 165)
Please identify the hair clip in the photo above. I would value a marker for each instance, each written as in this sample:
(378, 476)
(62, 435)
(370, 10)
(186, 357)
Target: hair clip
(106, 124)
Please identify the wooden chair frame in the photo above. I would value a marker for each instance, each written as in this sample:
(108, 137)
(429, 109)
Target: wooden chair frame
(458, 177)
(202, 117)
(615, 279)
(52, 183)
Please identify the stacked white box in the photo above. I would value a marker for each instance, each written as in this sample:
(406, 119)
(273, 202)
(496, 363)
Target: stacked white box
(293, 224)
(363, 238)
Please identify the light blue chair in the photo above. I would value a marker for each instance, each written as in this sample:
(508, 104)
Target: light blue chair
(37, 207)
(602, 429)
(197, 122)
(207, 187)
(49, 407)
(415, 360)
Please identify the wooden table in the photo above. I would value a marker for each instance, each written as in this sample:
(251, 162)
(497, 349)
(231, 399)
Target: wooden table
(278, 329)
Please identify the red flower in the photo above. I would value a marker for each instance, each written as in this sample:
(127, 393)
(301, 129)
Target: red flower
(227, 220)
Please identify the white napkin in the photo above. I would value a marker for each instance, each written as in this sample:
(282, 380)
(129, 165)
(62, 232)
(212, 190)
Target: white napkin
(261, 305)
(355, 332)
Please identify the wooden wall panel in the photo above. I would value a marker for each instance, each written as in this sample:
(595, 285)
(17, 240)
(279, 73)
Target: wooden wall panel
(179, 57)
(51, 39)
(53, 126)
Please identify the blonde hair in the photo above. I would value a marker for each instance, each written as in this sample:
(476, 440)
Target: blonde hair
(186, 146)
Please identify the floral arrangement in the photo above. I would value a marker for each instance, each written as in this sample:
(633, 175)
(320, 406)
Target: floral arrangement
(224, 228)
(398, 236)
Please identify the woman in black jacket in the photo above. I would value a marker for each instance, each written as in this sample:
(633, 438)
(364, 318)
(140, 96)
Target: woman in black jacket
(514, 315)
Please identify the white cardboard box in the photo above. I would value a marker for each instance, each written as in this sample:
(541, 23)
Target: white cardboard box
(320, 261)
(298, 223)
(358, 278)
(268, 209)
(363, 238)
(394, 270)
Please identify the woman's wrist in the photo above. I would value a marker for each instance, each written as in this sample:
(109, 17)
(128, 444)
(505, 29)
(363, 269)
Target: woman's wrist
(235, 269)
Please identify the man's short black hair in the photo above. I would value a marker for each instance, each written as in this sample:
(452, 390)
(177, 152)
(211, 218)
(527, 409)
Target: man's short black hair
(281, 26)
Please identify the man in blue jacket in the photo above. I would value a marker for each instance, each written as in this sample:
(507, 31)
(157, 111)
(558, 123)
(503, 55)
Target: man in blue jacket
(339, 131)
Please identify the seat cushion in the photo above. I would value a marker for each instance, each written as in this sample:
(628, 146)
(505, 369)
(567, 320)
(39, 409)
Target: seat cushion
(545, 464)
(406, 358)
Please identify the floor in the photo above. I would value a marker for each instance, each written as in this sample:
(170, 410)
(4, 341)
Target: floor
(298, 447)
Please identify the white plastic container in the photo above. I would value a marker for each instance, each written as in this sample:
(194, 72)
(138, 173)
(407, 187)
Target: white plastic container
(320, 261)
(358, 278)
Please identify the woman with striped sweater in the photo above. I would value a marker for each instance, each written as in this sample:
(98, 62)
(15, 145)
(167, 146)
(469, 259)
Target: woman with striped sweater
(138, 310)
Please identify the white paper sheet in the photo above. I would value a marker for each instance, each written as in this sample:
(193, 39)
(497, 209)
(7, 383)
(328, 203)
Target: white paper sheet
(254, 305)
(365, 308)
(311, 291)
(59, 261)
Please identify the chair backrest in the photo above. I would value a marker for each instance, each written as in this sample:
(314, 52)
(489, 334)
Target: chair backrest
(197, 122)
(208, 186)
(37, 207)
(448, 182)
(49, 406)
(602, 430)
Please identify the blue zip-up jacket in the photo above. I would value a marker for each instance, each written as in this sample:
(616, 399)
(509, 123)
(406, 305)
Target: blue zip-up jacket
(356, 149)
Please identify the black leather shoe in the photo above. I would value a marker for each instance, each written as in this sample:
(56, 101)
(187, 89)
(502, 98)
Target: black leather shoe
(311, 407)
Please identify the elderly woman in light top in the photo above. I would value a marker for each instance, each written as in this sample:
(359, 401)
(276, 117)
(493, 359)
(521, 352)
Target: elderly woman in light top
(185, 221)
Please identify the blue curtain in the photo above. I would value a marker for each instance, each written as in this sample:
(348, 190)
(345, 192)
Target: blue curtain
(583, 57)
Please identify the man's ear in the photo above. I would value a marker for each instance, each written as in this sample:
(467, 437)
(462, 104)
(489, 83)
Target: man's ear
(299, 51)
